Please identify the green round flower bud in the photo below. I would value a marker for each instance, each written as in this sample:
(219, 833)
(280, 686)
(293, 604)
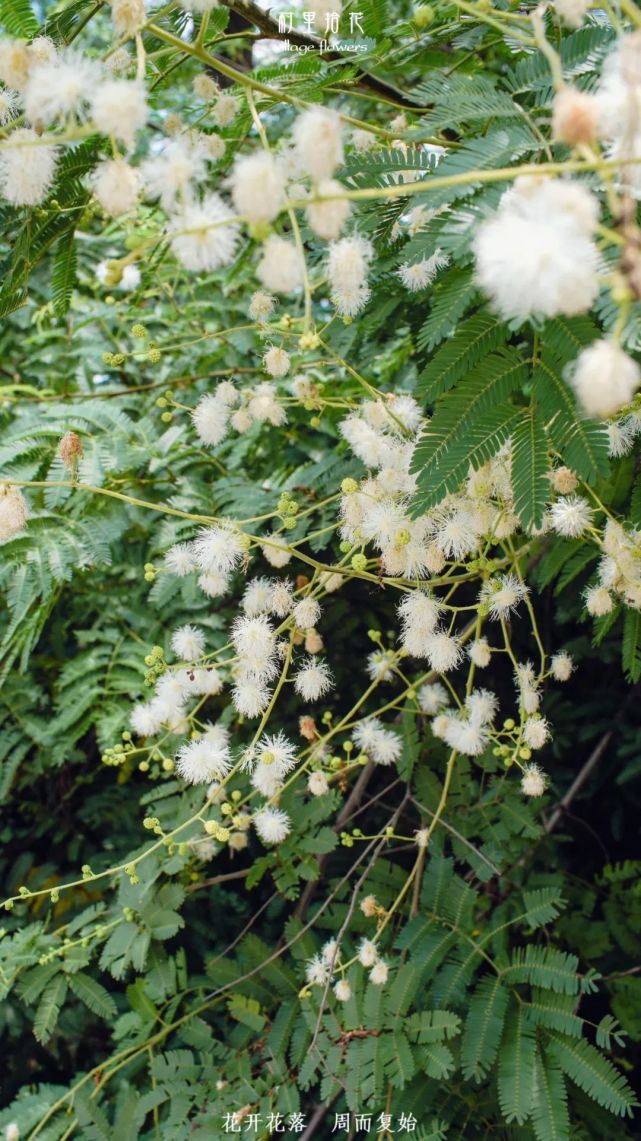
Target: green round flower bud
(359, 562)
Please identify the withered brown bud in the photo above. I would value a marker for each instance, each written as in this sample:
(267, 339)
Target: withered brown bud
(70, 450)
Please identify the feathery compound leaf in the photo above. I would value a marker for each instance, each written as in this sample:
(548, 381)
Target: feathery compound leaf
(473, 339)
(451, 297)
(542, 905)
(49, 1008)
(550, 1119)
(64, 273)
(582, 443)
(529, 469)
(483, 1027)
(631, 646)
(95, 996)
(593, 1073)
(17, 17)
(516, 1066)
(545, 967)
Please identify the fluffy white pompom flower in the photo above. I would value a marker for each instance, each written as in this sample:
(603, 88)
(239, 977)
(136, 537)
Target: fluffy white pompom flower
(313, 679)
(272, 825)
(119, 109)
(13, 512)
(419, 614)
(60, 86)
(261, 306)
(250, 697)
(171, 174)
(327, 219)
(208, 758)
(27, 168)
(502, 595)
(347, 265)
(128, 16)
(254, 642)
(257, 598)
(276, 553)
(422, 273)
(572, 12)
(218, 549)
(598, 601)
(318, 142)
(479, 653)
(443, 651)
(604, 378)
(203, 236)
(306, 613)
(367, 953)
(179, 559)
(225, 109)
(378, 974)
(116, 186)
(188, 643)
(257, 187)
(481, 706)
(343, 990)
(281, 267)
(432, 697)
(465, 736)
(210, 418)
(535, 255)
(382, 745)
(276, 361)
(536, 732)
(213, 584)
(317, 784)
(571, 516)
(146, 719)
(534, 781)
(562, 666)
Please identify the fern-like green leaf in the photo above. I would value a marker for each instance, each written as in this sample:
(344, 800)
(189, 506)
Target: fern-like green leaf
(550, 1119)
(593, 1073)
(473, 339)
(529, 468)
(631, 645)
(95, 996)
(49, 1008)
(517, 1060)
(483, 1027)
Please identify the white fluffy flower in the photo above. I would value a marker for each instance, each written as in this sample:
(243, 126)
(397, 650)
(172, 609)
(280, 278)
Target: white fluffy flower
(281, 266)
(604, 379)
(572, 12)
(382, 745)
(188, 643)
(9, 106)
(502, 595)
(378, 974)
(481, 706)
(367, 953)
(225, 109)
(479, 653)
(317, 971)
(210, 418)
(116, 185)
(347, 265)
(257, 598)
(276, 552)
(250, 697)
(218, 549)
(203, 237)
(119, 109)
(571, 516)
(327, 219)
(419, 614)
(562, 666)
(313, 679)
(343, 990)
(317, 784)
(306, 613)
(432, 697)
(422, 273)
(206, 759)
(272, 825)
(536, 732)
(27, 168)
(317, 138)
(254, 642)
(533, 781)
(598, 601)
(13, 512)
(171, 173)
(257, 187)
(60, 86)
(128, 16)
(465, 736)
(276, 361)
(179, 559)
(213, 584)
(442, 651)
(261, 306)
(536, 255)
